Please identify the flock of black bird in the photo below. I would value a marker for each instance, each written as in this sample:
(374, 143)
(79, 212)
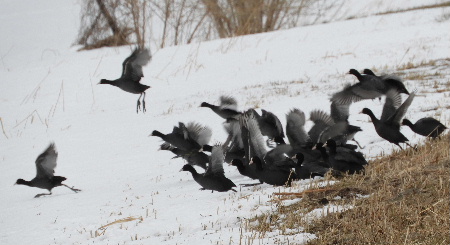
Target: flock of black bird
(324, 148)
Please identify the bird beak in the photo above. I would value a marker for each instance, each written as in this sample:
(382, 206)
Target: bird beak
(201, 149)
(251, 162)
(314, 147)
(324, 145)
(180, 170)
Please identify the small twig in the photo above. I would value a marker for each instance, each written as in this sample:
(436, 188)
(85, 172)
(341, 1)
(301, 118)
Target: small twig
(99, 62)
(35, 90)
(3, 129)
(425, 210)
(300, 194)
(64, 102)
(30, 115)
(93, 96)
(118, 221)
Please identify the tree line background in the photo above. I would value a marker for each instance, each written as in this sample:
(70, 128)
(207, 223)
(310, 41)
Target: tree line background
(173, 22)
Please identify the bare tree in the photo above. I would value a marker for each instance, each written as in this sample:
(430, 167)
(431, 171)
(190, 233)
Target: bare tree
(111, 23)
(173, 22)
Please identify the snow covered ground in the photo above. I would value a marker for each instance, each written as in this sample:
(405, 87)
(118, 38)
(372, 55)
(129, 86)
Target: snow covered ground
(49, 92)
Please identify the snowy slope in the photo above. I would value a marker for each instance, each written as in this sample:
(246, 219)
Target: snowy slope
(49, 92)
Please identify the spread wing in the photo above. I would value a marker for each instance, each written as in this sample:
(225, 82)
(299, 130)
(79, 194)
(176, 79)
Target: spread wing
(215, 166)
(346, 95)
(295, 123)
(132, 66)
(401, 111)
(392, 102)
(321, 121)
(339, 112)
(46, 162)
(251, 134)
(199, 133)
(272, 120)
(228, 102)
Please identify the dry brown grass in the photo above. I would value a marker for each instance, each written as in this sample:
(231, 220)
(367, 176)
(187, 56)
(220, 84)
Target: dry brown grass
(439, 5)
(408, 202)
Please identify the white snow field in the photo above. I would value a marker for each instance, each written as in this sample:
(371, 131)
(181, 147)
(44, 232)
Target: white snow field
(49, 92)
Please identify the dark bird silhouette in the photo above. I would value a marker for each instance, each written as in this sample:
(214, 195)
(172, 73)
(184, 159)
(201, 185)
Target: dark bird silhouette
(427, 126)
(337, 128)
(345, 161)
(295, 131)
(270, 167)
(270, 126)
(132, 74)
(188, 137)
(214, 178)
(229, 155)
(273, 174)
(390, 81)
(321, 121)
(244, 169)
(191, 157)
(307, 170)
(226, 109)
(233, 145)
(369, 87)
(45, 169)
(388, 126)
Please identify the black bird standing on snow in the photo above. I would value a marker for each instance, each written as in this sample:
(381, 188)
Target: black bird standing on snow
(426, 126)
(45, 168)
(214, 178)
(132, 74)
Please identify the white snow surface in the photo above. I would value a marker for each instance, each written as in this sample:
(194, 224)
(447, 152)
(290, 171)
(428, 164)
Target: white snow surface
(49, 92)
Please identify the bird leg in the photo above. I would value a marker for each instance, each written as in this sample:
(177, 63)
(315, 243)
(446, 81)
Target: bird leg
(227, 141)
(247, 185)
(143, 103)
(270, 143)
(413, 147)
(43, 194)
(138, 104)
(357, 143)
(73, 189)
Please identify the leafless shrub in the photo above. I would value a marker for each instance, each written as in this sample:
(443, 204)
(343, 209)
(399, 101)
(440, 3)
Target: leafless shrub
(112, 23)
(173, 22)
(182, 21)
(241, 17)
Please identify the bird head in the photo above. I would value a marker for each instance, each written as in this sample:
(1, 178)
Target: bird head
(406, 122)
(104, 81)
(187, 167)
(20, 182)
(236, 162)
(353, 72)
(366, 111)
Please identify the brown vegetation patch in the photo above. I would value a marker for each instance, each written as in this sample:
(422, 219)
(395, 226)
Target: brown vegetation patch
(402, 198)
(409, 203)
